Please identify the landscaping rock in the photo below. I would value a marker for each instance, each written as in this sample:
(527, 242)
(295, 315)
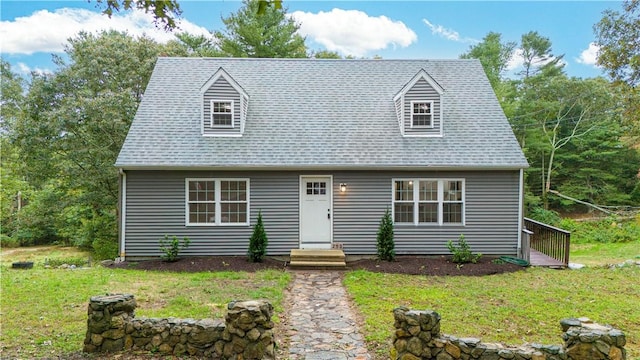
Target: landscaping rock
(113, 327)
(584, 340)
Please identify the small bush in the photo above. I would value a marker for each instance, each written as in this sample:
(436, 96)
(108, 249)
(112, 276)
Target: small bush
(77, 261)
(8, 242)
(258, 241)
(105, 248)
(385, 242)
(608, 230)
(171, 247)
(462, 252)
(548, 217)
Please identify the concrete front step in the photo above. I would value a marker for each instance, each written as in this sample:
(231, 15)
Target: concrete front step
(309, 258)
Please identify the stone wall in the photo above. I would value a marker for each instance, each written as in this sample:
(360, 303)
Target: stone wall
(246, 333)
(418, 337)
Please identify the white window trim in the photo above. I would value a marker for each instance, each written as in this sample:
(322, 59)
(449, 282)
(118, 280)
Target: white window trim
(431, 104)
(216, 201)
(211, 113)
(416, 201)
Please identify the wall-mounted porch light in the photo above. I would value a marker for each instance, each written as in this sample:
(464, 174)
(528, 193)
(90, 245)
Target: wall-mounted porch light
(343, 187)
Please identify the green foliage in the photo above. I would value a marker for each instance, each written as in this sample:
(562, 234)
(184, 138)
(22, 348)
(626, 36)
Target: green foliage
(574, 132)
(548, 217)
(164, 12)
(63, 138)
(77, 261)
(100, 230)
(8, 242)
(494, 55)
(272, 34)
(385, 243)
(325, 54)
(617, 37)
(462, 252)
(36, 222)
(258, 241)
(171, 247)
(187, 44)
(538, 57)
(608, 230)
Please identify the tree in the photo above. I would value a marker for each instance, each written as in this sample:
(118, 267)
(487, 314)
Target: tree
(74, 125)
(598, 168)
(164, 12)
(268, 35)
(325, 54)
(617, 37)
(384, 240)
(187, 44)
(13, 189)
(494, 55)
(563, 111)
(11, 96)
(258, 241)
(538, 57)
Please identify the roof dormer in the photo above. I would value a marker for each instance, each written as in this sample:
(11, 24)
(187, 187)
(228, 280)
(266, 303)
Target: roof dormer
(419, 106)
(224, 106)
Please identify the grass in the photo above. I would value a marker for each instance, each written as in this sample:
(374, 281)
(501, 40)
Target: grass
(42, 254)
(593, 254)
(512, 308)
(44, 310)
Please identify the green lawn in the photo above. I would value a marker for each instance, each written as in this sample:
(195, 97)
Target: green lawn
(520, 307)
(593, 254)
(44, 311)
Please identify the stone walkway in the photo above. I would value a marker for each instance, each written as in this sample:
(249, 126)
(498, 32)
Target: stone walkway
(321, 324)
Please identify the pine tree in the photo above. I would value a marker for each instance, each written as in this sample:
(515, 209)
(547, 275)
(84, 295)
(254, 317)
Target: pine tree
(258, 242)
(385, 243)
(272, 34)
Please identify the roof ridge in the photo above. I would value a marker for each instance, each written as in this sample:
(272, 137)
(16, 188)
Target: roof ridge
(311, 59)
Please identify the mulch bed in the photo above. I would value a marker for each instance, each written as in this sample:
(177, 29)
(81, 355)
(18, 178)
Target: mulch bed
(410, 265)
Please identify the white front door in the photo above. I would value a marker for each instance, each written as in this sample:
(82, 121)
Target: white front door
(316, 212)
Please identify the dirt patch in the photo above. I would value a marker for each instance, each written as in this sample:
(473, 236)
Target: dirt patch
(410, 265)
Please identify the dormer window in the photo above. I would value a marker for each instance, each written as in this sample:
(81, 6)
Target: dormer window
(224, 106)
(421, 114)
(222, 113)
(419, 107)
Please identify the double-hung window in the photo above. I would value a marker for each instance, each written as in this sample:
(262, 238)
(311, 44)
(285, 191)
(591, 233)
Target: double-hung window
(421, 113)
(428, 201)
(222, 113)
(217, 201)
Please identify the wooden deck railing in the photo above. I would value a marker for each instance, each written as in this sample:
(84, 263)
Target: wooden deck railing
(549, 240)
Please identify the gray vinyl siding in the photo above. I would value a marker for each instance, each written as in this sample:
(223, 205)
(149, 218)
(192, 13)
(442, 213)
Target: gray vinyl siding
(156, 206)
(491, 209)
(422, 91)
(222, 90)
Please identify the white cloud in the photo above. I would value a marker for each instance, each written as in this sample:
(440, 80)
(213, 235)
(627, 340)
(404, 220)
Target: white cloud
(26, 70)
(448, 34)
(353, 32)
(45, 31)
(516, 60)
(589, 56)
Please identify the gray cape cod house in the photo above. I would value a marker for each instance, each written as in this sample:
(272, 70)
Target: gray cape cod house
(322, 148)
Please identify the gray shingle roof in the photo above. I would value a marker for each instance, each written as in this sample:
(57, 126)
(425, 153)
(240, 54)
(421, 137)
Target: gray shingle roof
(319, 114)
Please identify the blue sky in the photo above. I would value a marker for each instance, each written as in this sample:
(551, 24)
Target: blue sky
(30, 31)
